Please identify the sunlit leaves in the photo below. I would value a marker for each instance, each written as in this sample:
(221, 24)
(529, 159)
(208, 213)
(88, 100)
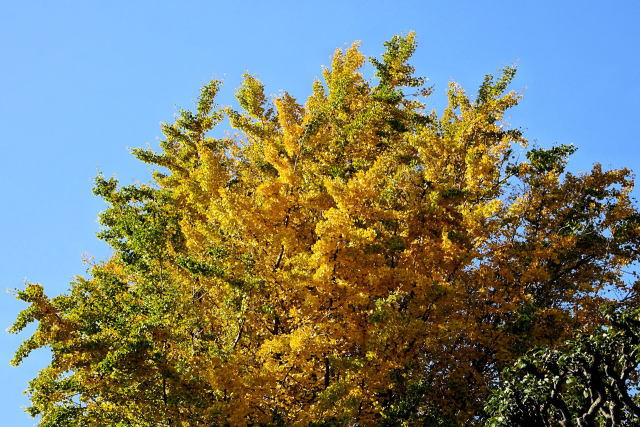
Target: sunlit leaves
(352, 259)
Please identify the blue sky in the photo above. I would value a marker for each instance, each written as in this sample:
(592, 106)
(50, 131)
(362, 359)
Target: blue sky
(83, 81)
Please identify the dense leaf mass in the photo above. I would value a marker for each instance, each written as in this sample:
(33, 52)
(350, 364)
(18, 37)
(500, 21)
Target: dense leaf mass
(355, 260)
(592, 380)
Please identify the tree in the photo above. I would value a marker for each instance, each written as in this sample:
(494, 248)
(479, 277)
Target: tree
(357, 259)
(593, 380)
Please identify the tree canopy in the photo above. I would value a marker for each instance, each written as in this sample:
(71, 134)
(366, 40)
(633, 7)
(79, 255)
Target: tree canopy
(592, 380)
(355, 260)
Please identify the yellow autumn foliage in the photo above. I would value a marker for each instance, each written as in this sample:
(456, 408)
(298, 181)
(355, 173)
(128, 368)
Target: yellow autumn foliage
(340, 260)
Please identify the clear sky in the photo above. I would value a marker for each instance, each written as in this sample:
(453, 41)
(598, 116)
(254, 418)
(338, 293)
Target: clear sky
(83, 81)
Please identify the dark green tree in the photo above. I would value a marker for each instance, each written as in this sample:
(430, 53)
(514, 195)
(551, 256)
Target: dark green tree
(591, 380)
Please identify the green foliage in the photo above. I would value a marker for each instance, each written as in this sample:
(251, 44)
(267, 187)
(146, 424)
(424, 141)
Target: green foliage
(553, 159)
(412, 408)
(592, 380)
(492, 89)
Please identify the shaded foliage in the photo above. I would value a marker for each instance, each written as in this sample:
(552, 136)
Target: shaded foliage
(591, 380)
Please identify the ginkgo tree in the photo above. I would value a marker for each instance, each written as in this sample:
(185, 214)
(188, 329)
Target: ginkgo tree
(354, 260)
